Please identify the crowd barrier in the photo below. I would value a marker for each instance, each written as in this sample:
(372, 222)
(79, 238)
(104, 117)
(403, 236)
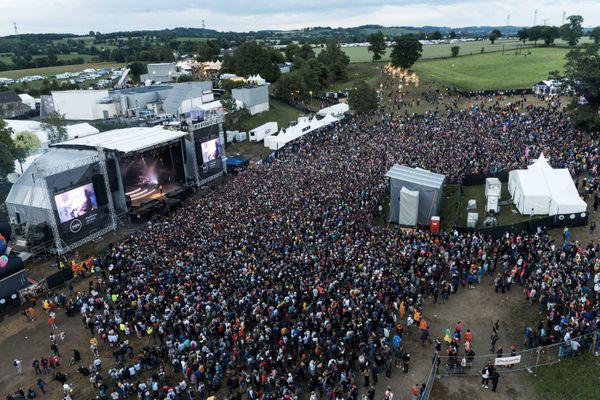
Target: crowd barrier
(479, 179)
(528, 359)
(531, 226)
(58, 278)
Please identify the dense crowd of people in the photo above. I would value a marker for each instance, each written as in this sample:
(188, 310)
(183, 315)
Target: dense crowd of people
(277, 285)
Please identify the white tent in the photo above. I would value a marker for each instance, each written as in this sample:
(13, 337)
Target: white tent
(337, 109)
(305, 125)
(529, 192)
(545, 190)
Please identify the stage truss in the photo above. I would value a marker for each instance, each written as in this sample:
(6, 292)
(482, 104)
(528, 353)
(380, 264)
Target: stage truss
(42, 174)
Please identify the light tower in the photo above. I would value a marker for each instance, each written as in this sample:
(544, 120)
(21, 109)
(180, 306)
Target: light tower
(16, 31)
(534, 17)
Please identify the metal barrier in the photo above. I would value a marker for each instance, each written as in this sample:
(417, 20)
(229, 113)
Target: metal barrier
(430, 379)
(524, 360)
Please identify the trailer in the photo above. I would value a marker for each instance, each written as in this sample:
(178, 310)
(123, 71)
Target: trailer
(259, 133)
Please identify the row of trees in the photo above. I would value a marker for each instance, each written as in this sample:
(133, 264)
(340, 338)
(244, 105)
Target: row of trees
(571, 32)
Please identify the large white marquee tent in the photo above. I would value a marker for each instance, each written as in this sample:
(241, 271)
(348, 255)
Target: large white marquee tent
(545, 190)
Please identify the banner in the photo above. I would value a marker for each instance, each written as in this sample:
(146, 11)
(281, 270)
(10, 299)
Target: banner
(507, 360)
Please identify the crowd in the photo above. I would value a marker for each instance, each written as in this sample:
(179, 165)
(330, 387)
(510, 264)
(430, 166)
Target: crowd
(276, 285)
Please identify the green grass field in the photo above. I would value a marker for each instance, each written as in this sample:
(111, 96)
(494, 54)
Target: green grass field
(433, 51)
(493, 70)
(571, 379)
(508, 214)
(367, 71)
(19, 73)
(279, 111)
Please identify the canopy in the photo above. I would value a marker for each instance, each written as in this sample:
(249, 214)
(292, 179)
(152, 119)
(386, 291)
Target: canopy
(337, 109)
(127, 140)
(544, 190)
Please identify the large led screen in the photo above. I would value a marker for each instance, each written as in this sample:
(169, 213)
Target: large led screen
(76, 202)
(211, 150)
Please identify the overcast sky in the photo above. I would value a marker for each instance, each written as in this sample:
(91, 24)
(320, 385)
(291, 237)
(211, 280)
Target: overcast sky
(81, 16)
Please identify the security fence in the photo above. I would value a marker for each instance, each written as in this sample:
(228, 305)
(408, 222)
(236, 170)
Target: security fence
(523, 360)
(430, 379)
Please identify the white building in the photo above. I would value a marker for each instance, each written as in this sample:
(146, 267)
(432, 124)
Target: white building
(82, 104)
(253, 98)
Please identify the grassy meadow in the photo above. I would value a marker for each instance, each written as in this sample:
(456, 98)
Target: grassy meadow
(493, 70)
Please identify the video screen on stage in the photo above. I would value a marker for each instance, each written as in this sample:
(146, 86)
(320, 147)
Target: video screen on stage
(211, 150)
(76, 202)
(150, 175)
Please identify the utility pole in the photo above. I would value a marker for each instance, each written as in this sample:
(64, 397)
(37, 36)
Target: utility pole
(563, 17)
(534, 17)
(507, 19)
(203, 26)
(16, 31)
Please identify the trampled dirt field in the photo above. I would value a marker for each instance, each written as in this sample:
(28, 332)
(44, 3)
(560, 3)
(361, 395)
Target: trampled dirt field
(476, 308)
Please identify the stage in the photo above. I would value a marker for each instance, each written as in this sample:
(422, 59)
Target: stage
(141, 195)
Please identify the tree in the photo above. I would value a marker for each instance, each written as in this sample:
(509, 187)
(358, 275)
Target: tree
(55, 126)
(334, 58)
(290, 86)
(523, 34)
(92, 33)
(363, 98)
(495, 34)
(406, 51)
(549, 34)
(8, 151)
(228, 102)
(534, 34)
(454, 50)
(582, 74)
(26, 143)
(292, 51)
(185, 78)
(572, 31)
(452, 35)
(307, 52)
(595, 34)
(253, 58)
(208, 50)
(436, 36)
(136, 69)
(377, 45)
(314, 74)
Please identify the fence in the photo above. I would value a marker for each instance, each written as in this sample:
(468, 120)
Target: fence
(430, 379)
(524, 360)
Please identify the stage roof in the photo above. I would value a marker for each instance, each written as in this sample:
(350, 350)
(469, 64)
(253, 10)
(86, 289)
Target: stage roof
(127, 140)
(29, 192)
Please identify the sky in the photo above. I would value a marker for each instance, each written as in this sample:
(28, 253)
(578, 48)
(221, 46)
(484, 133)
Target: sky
(81, 16)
